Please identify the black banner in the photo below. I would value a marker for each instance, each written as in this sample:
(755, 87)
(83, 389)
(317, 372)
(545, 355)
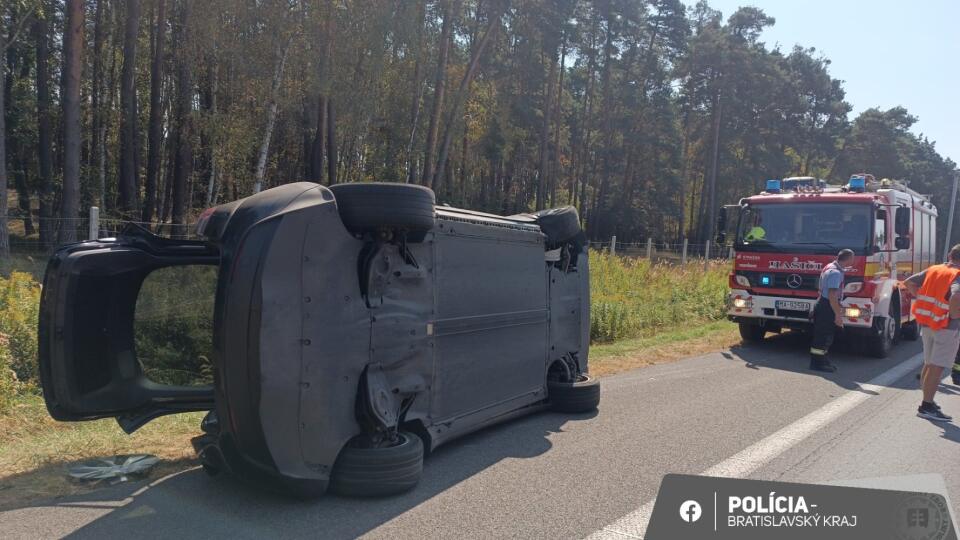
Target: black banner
(701, 507)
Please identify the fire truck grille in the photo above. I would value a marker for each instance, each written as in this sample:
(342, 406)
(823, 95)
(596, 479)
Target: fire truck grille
(783, 280)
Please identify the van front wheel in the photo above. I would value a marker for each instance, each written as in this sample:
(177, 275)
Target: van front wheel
(378, 471)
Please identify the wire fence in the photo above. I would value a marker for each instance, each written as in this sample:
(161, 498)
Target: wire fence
(666, 252)
(36, 235)
(39, 235)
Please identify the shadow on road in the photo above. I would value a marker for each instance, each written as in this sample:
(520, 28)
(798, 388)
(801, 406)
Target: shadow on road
(789, 352)
(191, 504)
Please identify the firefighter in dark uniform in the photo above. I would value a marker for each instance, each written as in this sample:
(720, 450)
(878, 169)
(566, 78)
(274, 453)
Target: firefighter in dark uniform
(828, 313)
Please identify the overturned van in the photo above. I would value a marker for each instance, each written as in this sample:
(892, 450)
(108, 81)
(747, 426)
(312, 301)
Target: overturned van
(353, 328)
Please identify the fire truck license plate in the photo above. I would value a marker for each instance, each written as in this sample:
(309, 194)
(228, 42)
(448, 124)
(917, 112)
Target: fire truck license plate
(793, 306)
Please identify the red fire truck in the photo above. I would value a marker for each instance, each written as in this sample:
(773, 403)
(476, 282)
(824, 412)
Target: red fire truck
(786, 234)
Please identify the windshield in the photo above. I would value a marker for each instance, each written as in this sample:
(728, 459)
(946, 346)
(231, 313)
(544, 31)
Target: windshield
(807, 228)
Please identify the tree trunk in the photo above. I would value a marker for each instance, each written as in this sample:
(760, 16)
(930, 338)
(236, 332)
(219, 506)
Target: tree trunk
(128, 182)
(4, 228)
(316, 152)
(462, 91)
(607, 127)
(271, 118)
(323, 92)
(545, 134)
(72, 69)
(416, 91)
(41, 30)
(331, 144)
(183, 145)
(16, 64)
(96, 98)
(214, 75)
(558, 115)
(429, 157)
(714, 162)
(155, 129)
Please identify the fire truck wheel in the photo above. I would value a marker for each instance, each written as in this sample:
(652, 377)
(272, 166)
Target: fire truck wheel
(752, 333)
(881, 339)
(910, 331)
(378, 471)
(580, 396)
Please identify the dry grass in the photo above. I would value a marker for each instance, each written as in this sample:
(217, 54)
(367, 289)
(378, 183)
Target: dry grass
(662, 348)
(35, 450)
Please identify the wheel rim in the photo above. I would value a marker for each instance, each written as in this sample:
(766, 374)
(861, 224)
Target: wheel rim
(889, 330)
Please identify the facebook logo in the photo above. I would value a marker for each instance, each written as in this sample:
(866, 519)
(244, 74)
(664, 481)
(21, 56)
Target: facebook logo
(690, 511)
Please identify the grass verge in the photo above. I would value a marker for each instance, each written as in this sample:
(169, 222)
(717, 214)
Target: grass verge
(36, 451)
(662, 347)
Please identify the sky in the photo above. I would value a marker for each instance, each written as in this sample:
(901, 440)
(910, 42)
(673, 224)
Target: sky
(887, 52)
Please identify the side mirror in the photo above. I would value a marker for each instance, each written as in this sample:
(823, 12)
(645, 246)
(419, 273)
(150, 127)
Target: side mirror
(902, 242)
(901, 224)
(722, 226)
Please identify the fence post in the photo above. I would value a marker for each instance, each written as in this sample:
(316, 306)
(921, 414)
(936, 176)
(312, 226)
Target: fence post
(94, 230)
(706, 256)
(649, 248)
(683, 260)
(613, 245)
(730, 253)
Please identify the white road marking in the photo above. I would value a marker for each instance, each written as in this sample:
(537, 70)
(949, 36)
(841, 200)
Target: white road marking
(748, 460)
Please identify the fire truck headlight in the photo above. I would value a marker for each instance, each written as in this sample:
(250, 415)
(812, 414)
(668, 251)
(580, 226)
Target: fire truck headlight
(851, 288)
(740, 303)
(852, 312)
(743, 281)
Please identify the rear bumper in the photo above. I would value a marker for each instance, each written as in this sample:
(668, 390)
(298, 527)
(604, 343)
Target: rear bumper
(742, 306)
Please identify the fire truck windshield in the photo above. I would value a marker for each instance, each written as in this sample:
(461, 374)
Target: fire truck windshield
(805, 227)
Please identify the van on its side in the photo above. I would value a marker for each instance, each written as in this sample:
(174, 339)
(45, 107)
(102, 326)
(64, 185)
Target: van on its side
(353, 327)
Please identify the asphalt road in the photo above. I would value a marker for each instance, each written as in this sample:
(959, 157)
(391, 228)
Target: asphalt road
(558, 476)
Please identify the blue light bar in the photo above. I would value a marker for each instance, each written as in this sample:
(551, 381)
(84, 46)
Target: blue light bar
(857, 184)
(765, 281)
(773, 186)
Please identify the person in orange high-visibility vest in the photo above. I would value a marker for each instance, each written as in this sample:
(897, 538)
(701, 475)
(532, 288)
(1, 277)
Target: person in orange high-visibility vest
(936, 306)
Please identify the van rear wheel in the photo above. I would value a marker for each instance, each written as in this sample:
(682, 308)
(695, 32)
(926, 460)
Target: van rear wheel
(371, 206)
(580, 396)
(378, 471)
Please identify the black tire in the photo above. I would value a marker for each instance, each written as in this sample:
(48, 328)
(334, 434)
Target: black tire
(559, 224)
(752, 333)
(580, 396)
(910, 331)
(881, 338)
(376, 472)
(366, 207)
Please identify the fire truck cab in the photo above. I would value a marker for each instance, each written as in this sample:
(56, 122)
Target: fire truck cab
(784, 236)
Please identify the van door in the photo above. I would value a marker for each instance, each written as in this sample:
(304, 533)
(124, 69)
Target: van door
(104, 350)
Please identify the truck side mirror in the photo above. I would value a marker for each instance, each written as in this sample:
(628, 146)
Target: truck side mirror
(901, 224)
(722, 226)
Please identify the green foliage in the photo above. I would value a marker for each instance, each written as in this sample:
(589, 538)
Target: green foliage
(19, 311)
(9, 384)
(630, 297)
(173, 325)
